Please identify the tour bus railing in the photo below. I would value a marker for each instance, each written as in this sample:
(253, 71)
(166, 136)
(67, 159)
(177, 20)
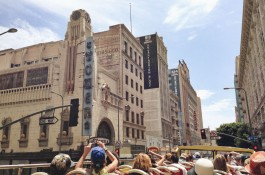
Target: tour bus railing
(20, 167)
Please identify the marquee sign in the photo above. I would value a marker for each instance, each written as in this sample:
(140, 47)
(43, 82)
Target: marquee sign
(88, 87)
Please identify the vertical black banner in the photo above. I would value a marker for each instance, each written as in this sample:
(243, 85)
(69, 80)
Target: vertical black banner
(150, 61)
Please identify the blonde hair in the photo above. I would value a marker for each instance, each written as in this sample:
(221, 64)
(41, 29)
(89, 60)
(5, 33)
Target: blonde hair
(142, 162)
(168, 156)
(219, 163)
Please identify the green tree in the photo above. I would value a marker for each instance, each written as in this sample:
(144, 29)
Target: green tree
(240, 130)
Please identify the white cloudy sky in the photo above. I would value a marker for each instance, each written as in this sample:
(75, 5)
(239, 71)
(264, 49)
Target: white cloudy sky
(204, 33)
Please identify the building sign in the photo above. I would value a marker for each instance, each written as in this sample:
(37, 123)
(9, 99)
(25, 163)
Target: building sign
(37, 76)
(88, 87)
(11, 80)
(108, 50)
(150, 61)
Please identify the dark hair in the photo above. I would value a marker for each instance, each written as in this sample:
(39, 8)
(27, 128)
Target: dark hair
(174, 158)
(109, 161)
(225, 155)
(98, 167)
(153, 161)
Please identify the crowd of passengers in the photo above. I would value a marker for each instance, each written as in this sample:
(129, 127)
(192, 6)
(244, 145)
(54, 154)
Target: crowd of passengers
(106, 162)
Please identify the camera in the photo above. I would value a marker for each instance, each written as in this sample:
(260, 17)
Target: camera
(94, 143)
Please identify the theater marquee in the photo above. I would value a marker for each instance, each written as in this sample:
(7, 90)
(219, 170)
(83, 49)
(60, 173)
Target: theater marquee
(88, 87)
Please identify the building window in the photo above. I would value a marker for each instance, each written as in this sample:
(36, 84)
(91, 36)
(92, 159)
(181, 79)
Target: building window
(137, 119)
(131, 83)
(132, 99)
(132, 132)
(136, 86)
(140, 61)
(142, 134)
(141, 89)
(126, 79)
(132, 117)
(137, 102)
(142, 104)
(131, 68)
(127, 95)
(24, 131)
(6, 133)
(135, 57)
(43, 140)
(136, 72)
(130, 52)
(43, 131)
(126, 64)
(127, 115)
(127, 132)
(138, 133)
(125, 47)
(141, 76)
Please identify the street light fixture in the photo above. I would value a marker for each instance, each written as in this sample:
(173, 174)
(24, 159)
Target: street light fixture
(12, 30)
(61, 123)
(119, 115)
(240, 88)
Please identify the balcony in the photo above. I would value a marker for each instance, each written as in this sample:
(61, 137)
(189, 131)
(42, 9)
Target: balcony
(25, 95)
(66, 139)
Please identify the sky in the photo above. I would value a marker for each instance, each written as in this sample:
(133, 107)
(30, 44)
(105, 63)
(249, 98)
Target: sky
(204, 33)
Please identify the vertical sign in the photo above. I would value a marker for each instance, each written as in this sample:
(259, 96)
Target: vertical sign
(88, 87)
(150, 61)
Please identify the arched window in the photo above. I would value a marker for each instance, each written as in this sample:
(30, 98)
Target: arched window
(104, 131)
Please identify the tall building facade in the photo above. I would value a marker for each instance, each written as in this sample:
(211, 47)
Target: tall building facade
(156, 95)
(121, 55)
(189, 104)
(85, 66)
(173, 80)
(251, 74)
(175, 135)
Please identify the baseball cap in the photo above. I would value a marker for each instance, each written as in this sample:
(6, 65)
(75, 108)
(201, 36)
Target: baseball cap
(98, 155)
(60, 164)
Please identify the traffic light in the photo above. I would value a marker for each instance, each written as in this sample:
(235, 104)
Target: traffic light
(255, 147)
(117, 151)
(73, 118)
(203, 134)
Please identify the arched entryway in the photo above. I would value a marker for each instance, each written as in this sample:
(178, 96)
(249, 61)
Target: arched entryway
(106, 130)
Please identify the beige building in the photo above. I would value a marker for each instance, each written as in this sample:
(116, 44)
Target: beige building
(175, 123)
(120, 54)
(190, 107)
(156, 95)
(47, 75)
(251, 70)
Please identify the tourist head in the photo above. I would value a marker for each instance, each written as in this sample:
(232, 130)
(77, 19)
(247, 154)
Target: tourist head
(219, 163)
(60, 164)
(256, 164)
(142, 162)
(202, 167)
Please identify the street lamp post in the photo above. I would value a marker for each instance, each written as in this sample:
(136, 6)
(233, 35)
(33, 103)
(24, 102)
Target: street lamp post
(119, 115)
(12, 30)
(240, 88)
(61, 123)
